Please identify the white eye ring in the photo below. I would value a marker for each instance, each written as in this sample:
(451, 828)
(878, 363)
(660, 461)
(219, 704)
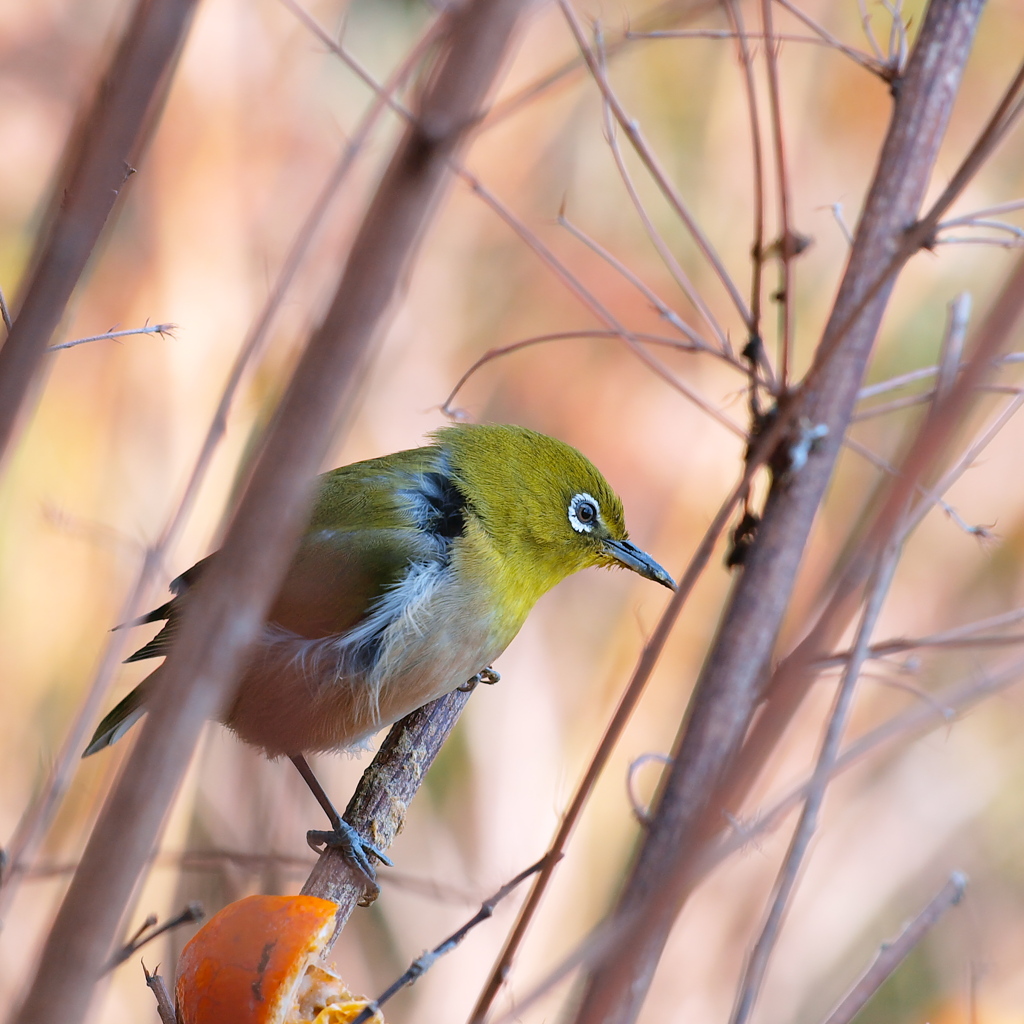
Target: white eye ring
(584, 511)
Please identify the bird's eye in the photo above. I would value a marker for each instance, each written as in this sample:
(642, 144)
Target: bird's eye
(583, 512)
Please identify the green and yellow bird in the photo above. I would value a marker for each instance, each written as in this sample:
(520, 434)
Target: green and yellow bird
(415, 572)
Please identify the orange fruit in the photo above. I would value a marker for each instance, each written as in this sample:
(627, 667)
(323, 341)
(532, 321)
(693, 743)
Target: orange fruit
(257, 962)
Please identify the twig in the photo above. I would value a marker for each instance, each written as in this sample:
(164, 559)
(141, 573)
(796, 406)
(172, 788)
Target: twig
(913, 376)
(734, 14)
(162, 329)
(102, 153)
(661, 247)
(878, 66)
(665, 311)
(795, 673)
(613, 731)
(658, 174)
(869, 33)
(957, 700)
(892, 954)
(164, 1003)
(500, 351)
(423, 963)
(789, 244)
(595, 305)
(668, 11)
(150, 930)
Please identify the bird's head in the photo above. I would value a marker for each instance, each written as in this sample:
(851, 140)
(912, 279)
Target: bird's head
(547, 509)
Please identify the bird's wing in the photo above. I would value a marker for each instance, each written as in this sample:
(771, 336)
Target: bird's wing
(365, 529)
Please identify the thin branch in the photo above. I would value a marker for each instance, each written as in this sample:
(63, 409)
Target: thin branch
(734, 14)
(150, 930)
(789, 245)
(164, 1003)
(795, 674)
(987, 211)
(665, 311)
(661, 179)
(423, 963)
(102, 152)
(951, 348)
(666, 12)
(877, 66)
(869, 32)
(594, 304)
(919, 720)
(668, 258)
(701, 347)
(913, 376)
(161, 329)
(893, 953)
(613, 731)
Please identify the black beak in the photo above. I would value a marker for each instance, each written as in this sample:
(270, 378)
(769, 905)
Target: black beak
(639, 561)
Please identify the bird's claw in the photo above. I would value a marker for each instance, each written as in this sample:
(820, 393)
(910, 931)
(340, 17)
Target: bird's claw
(487, 676)
(353, 847)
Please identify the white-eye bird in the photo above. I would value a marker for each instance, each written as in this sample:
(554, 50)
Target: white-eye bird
(415, 572)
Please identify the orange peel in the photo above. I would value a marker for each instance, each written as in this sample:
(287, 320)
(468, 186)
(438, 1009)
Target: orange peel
(257, 961)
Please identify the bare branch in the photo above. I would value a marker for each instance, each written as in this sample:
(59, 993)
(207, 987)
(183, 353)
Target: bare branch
(661, 179)
(164, 1003)
(422, 964)
(150, 930)
(102, 153)
(161, 329)
(892, 954)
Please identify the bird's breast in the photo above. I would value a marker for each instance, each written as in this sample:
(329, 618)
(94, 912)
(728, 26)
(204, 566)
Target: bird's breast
(423, 638)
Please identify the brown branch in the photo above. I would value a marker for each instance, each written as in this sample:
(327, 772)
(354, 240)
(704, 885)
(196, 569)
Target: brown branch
(378, 806)
(789, 244)
(102, 153)
(796, 673)
(892, 954)
(164, 1003)
(423, 963)
(731, 682)
(230, 603)
(631, 130)
(735, 16)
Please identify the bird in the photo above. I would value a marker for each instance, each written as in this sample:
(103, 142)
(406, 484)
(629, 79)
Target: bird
(415, 571)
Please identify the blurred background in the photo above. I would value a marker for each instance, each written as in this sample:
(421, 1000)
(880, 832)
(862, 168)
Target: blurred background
(258, 115)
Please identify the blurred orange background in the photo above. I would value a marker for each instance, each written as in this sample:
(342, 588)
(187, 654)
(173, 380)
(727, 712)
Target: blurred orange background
(258, 115)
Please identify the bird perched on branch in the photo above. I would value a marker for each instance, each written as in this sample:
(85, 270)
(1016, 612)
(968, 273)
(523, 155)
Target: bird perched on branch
(415, 572)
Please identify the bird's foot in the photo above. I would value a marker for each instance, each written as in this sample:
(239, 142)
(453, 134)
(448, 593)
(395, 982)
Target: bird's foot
(487, 676)
(356, 850)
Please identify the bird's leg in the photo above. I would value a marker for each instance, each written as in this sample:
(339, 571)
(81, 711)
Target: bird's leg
(486, 675)
(341, 836)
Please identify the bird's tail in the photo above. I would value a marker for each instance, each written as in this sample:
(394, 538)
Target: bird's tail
(119, 720)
